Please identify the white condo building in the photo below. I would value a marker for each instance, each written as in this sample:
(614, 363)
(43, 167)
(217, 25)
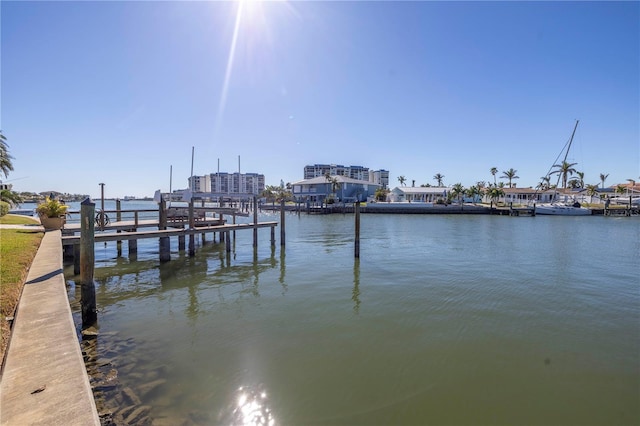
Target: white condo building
(228, 183)
(379, 177)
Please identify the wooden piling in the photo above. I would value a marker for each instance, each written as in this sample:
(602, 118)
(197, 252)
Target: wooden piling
(282, 232)
(192, 237)
(234, 222)
(165, 249)
(76, 259)
(255, 221)
(87, 263)
(118, 218)
(165, 244)
(357, 237)
(162, 214)
(133, 249)
(181, 243)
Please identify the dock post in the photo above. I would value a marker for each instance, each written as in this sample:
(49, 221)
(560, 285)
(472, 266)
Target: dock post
(76, 259)
(204, 238)
(192, 237)
(118, 218)
(255, 221)
(357, 239)
(227, 243)
(273, 236)
(282, 231)
(101, 206)
(87, 263)
(165, 249)
(133, 249)
(533, 213)
(165, 245)
(181, 243)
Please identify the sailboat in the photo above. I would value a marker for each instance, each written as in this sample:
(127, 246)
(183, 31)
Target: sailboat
(555, 207)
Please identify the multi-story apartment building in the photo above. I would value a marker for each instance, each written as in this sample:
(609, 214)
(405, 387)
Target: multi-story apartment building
(380, 177)
(200, 183)
(229, 183)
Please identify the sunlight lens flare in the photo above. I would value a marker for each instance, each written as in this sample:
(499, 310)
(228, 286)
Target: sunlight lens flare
(227, 74)
(250, 20)
(251, 408)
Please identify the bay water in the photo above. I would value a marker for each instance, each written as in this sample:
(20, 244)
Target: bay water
(444, 319)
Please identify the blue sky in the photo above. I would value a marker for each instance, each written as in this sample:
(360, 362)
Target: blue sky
(118, 92)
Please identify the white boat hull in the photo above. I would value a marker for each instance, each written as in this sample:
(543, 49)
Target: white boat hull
(562, 210)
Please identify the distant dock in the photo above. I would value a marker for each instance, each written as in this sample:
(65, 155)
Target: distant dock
(426, 208)
(127, 225)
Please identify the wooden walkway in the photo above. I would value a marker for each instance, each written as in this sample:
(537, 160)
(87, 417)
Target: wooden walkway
(126, 225)
(69, 240)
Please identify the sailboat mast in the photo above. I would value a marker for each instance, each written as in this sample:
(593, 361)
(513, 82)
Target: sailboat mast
(564, 160)
(566, 154)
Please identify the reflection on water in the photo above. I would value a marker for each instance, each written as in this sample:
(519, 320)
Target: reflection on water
(442, 320)
(250, 408)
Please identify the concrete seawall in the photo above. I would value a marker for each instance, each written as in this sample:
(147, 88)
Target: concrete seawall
(44, 381)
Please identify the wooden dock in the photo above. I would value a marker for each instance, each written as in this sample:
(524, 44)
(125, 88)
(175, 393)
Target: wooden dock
(169, 222)
(70, 240)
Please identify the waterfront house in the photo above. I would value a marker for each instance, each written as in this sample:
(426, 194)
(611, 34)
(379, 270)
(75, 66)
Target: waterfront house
(527, 196)
(347, 190)
(531, 195)
(418, 194)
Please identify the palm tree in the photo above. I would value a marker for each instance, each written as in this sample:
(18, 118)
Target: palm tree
(620, 189)
(335, 185)
(494, 171)
(591, 191)
(11, 197)
(564, 170)
(268, 193)
(474, 192)
(334, 182)
(577, 182)
(545, 183)
(402, 180)
(381, 194)
(603, 177)
(510, 174)
(494, 193)
(457, 190)
(6, 165)
(438, 178)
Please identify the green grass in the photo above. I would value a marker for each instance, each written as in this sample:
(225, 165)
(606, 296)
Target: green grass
(16, 219)
(17, 249)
